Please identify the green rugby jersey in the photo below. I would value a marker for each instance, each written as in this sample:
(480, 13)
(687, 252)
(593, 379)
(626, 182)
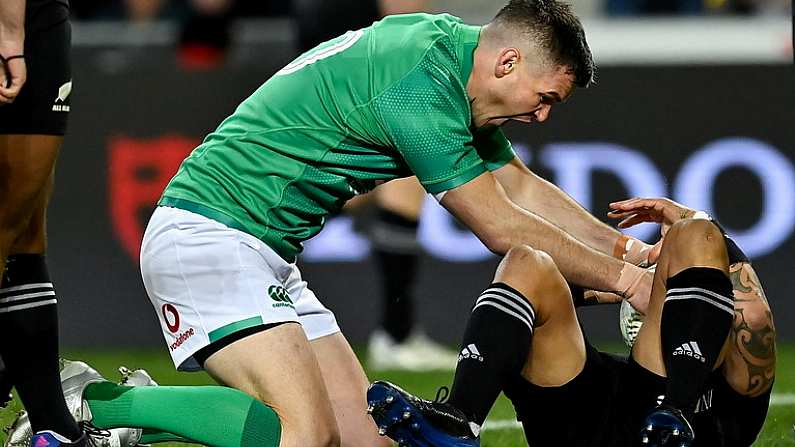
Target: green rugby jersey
(372, 105)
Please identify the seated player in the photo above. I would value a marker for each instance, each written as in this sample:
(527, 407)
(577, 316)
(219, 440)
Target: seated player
(717, 349)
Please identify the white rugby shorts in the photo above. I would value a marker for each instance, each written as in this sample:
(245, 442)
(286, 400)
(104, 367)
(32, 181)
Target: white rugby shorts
(206, 281)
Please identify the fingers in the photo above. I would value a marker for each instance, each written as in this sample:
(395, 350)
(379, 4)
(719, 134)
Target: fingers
(626, 204)
(654, 254)
(620, 214)
(5, 95)
(635, 219)
(635, 203)
(12, 79)
(632, 218)
(602, 297)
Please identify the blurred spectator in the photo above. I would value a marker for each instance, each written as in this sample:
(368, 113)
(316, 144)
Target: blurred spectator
(260, 8)
(132, 10)
(321, 20)
(143, 10)
(205, 34)
(645, 7)
(690, 7)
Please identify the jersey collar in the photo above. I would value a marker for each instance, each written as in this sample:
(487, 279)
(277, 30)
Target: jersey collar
(466, 49)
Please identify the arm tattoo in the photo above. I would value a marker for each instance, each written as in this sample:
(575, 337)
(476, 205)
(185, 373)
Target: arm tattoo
(756, 346)
(745, 283)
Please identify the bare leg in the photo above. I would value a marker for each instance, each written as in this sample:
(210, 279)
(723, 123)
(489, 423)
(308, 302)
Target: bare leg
(27, 163)
(347, 385)
(278, 366)
(28, 311)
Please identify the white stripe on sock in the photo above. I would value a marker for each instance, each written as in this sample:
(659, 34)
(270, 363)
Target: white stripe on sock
(506, 301)
(717, 296)
(700, 298)
(507, 311)
(26, 296)
(27, 306)
(519, 299)
(38, 285)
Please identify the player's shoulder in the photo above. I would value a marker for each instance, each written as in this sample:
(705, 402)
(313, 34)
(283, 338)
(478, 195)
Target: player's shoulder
(419, 31)
(404, 41)
(421, 21)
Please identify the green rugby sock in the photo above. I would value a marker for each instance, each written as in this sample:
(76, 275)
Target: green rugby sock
(211, 415)
(154, 436)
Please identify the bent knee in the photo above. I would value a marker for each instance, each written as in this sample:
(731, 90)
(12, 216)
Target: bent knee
(530, 271)
(695, 241)
(525, 261)
(694, 231)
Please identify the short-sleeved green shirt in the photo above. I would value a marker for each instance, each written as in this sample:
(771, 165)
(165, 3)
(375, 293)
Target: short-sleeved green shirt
(372, 105)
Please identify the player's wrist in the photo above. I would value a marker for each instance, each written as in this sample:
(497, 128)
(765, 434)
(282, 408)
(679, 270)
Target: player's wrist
(629, 276)
(13, 47)
(12, 35)
(631, 250)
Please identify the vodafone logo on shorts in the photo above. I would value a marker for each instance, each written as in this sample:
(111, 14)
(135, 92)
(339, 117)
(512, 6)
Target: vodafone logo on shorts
(167, 310)
(171, 317)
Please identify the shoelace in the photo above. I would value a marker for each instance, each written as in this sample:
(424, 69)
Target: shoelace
(92, 432)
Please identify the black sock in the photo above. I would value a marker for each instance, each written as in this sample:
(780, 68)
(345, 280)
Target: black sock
(696, 319)
(494, 350)
(395, 249)
(29, 343)
(5, 384)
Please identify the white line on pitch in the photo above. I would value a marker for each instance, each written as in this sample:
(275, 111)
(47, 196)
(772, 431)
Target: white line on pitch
(782, 399)
(777, 399)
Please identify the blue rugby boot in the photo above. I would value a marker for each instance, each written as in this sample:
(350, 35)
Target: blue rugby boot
(415, 422)
(51, 439)
(666, 427)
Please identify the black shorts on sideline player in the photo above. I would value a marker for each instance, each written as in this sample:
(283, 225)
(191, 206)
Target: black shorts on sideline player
(42, 106)
(605, 405)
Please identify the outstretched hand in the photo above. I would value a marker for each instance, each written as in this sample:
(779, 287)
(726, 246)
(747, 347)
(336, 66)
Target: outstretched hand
(660, 210)
(663, 211)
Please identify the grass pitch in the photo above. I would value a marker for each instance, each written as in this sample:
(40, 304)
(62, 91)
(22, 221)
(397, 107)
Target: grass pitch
(778, 430)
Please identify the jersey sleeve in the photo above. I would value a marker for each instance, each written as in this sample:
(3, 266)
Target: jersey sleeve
(426, 116)
(494, 149)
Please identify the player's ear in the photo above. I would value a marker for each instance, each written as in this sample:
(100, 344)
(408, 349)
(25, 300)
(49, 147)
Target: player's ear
(507, 61)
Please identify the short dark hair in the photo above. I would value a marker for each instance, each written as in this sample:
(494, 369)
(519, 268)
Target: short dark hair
(553, 27)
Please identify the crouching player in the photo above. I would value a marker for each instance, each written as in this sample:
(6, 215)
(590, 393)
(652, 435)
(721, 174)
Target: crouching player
(700, 372)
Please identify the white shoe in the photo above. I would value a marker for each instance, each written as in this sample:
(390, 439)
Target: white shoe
(416, 353)
(75, 377)
(137, 377)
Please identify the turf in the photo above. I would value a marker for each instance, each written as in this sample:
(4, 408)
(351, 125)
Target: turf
(778, 430)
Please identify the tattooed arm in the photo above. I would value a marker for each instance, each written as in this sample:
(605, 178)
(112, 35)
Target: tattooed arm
(751, 361)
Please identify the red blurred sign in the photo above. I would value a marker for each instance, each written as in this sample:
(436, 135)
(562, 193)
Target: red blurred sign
(138, 171)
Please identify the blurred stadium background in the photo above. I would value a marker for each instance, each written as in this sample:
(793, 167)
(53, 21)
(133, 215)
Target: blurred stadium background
(695, 100)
